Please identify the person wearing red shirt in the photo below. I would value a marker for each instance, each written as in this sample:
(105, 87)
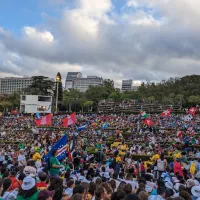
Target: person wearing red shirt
(42, 185)
(177, 167)
(15, 183)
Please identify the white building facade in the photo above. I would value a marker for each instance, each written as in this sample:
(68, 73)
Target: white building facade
(71, 76)
(8, 85)
(127, 85)
(82, 84)
(35, 104)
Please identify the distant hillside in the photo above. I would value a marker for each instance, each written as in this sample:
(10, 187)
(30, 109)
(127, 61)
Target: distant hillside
(185, 90)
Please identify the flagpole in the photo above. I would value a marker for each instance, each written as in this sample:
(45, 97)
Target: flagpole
(57, 82)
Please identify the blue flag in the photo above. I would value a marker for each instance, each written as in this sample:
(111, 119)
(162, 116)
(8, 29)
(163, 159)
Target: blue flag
(82, 128)
(38, 115)
(105, 125)
(61, 147)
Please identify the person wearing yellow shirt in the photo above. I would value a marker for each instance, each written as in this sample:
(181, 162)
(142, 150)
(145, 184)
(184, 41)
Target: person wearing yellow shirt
(37, 158)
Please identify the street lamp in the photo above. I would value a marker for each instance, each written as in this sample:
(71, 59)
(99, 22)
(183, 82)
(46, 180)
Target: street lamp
(57, 82)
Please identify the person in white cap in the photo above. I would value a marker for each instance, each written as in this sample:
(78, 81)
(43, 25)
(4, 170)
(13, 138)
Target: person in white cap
(28, 189)
(195, 192)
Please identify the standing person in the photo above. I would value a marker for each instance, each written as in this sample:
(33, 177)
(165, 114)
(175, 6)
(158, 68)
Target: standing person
(6, 194)
(37, 158)
(28, 190)
(161, 165)
(21, 160)
(76, 158)
(54, 164)
(177, 167)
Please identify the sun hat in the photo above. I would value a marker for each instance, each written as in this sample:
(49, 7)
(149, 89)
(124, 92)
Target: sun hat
(195, 191)
(28, 183)
(169, 185)
(30, 171)
(167, 179)
(190, 183)
(45, 194)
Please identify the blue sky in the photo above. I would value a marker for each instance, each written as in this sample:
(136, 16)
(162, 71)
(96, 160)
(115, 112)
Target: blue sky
(18, 13)
(15, 14)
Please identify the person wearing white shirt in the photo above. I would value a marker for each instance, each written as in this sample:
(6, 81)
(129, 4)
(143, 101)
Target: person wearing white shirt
(129, 179)
(21, 159)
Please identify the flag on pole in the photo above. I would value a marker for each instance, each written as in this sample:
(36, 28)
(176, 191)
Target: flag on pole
(105, 125)
(143, 114)
(71, 119)
(166, 113)
(71, 149)
(179, 134)
(148, 122)
(38, 115)
(61, 147)
(45, 120)
(82, 128)
(192, 110)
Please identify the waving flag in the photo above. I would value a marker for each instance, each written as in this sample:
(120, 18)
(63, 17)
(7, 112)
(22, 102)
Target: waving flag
(71, 119)
(61, 147)
(192, 110)
(45, 120)
(71, 149)
(166, 113)
(105, 125)
(148, 122)
(143, 114)
(38, 115)
(179, 134)
(82, 128)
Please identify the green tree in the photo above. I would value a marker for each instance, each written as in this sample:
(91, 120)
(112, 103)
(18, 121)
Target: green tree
(88, 104)
(115, 95)
(14, 99)
(41, 85)
(4, 105)
(151, 99)
(96, 93)
(109, 86)
(194, 99)
(73, 99)
(179, 98)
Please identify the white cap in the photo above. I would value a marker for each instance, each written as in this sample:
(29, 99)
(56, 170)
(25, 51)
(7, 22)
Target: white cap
(28, 183)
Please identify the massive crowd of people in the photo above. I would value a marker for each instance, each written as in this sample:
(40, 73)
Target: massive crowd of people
(124, 160)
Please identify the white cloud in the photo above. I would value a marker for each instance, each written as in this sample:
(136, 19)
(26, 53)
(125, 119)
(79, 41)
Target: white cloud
(132, 3)
(33, 34)
(149, 39)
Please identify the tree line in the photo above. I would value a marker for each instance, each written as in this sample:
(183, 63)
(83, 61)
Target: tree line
(184, 91)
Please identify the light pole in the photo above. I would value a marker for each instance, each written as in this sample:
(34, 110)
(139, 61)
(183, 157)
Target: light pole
(57, 82)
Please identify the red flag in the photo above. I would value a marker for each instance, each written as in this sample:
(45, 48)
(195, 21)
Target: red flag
(148, 122)
(71, 119)
(45, 120)
(179, 134)
(192, 110)
(166, 113)
(14, 112)
(192, 133)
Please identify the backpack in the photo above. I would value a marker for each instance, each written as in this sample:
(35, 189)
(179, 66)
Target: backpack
(193, 168)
